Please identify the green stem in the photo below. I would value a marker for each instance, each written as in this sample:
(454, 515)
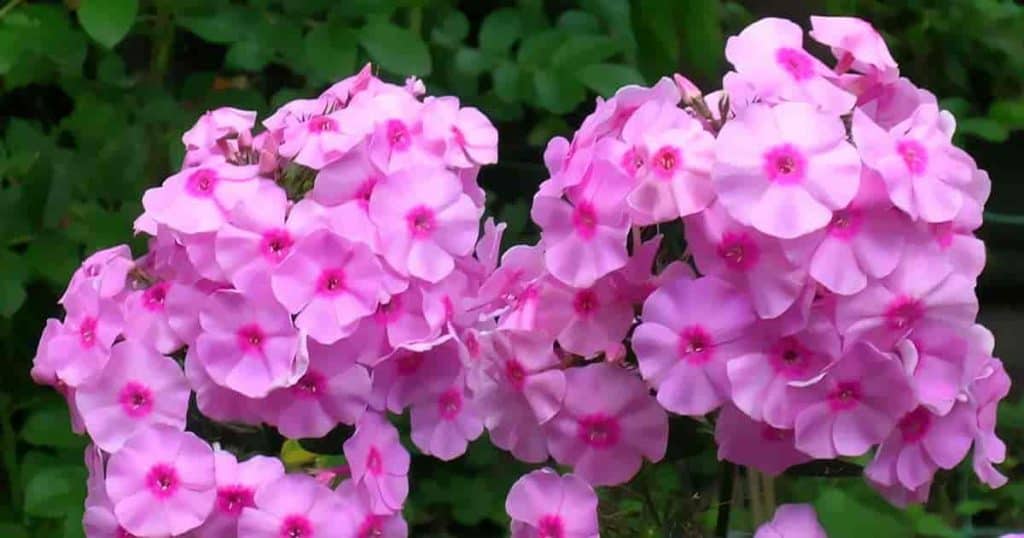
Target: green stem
(1004, 218)
(416, 20)
(726, 472)
(163, 41)
(8, 7)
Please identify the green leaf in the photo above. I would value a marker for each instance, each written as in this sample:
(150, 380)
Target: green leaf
(330, 51)
(1008, 113)
(581, 50)
(845, 516)
(226, 25)
(53, 257)
(452, 30)
(579, 21)
(249, 55)
(10, 48)
(536, 50)
(471, 62)
(984, 128)
(539, 136)
(606, 79)
(557, 92)
(396, 49)
(10, 530)
(12, 283)
(508, 82)
(51, 426)
(500, 30)
(107, 21)
(926, 524)
(53, 492)
(971, 507)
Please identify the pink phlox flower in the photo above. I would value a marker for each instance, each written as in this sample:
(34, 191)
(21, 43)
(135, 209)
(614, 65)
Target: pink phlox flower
(146, 318)
(443, 425)
(237, 484)
(991, 385)
(213, 128)
(467, 136)
(792, 521)
(379, 463)
(520, 266)
(81, 348)
(105, 270)
(857, 45)
(745, 441)
(542, 503)
(359, 519)
(398, 322)
(937, 359)
(198, 199)
(217, 402)
(397, 139)
(407, 376)
(351, 178)
(341, 92)
(255, 239)
(597, 317)
(292, 505)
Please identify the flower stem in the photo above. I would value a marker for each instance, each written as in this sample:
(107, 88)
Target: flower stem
(726, 477)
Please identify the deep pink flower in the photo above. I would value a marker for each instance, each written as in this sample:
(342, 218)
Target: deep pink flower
(856, 405)
(443, 425)
(543, 504)
(425, 221)
(745, 441)
(138, 387)
(690, 330)
(397, 141)
(199, 199)
(334, 389)
(856, 44)
(237, 484)
(294, 505)
(792, 521)
(606, 439)
(920, 445)
(379, 463)
(161, 482)
(785, 169)
(248, 342)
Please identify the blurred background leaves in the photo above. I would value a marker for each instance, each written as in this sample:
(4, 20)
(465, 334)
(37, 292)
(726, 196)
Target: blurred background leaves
(94, 96)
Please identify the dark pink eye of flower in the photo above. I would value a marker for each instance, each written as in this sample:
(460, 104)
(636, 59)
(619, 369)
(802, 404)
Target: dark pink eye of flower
(785, 164)
(915, 425)
(275, 244)
(296, 526)
(769, 433)
(162, 480)
(585, 302)
(665, 161)
(374, 463)
(87, 332)
(791, 358)
(633, 160)
(738, 251)
(371, 527)
(515, 373)
(550, 526)
(320, 124)
(845, 224)
(914, 155)
(310, 385)
(331, 282)
(795, 62)
(250, 338)
(122, 533)
(599, 430)
(844, 396)
(136, 399)
(201, 183)
(409, 363)
(449, 404)
(421, 222)
(365, 190)
(398, 135)
(584, 220)
(903, 312)
(389, 311)
(460, 139)
(154, 296)
(232, 499)
(695, 345)
(93, 270)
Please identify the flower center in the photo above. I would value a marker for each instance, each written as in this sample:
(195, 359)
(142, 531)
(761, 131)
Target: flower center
(320, 124)
(372, 527)
(398, 135)
(845, 224)
(795, 62)
(665, 161)
(790, 358)
(449, 404)
(785, 164)
(201, 183)
(162, 480)
(136, 399)
(310, 385)
(421, 222)
(598, 430)
(585, 302)
(633, 160)
(275, 244)
(903, 312)
(389, 311)
(87, 332)
(232, 499)
(550, 526)
(250, 338)
(154, 296)
(845, 396)
(914, 155)
(769, 433)
(374, 463)
(296, 526)
(738, 251)
(409, 363)
(584, 220)
(695, 345)
(331, 282)
(915, 425)
(515, 373)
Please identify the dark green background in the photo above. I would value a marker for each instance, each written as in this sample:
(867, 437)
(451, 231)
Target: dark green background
(94, 96)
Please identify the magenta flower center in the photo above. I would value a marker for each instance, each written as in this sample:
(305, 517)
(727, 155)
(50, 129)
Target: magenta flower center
(398, 135)
(310, 385)
(914, 155)
(232, 499)
(122, 533)
(769, 433)
(845, 396)
(389, 311)
(903, 312)
(695, 345)
(599, 430)
(550, 526)
(449, 404)
(87, 332)
(790, 358)
(584, 220)
(296, 526)
(738, 251)
(845, 224)
(795, 62)
(251, 338)
(633, 160)
(201, 183)
(515, 373)
(585, 302)
(331, 282)
(275, 244)
(421, 222)
(162, 480)
(785, 164)
(409, 363)
(136, 399)
(154, 296)
(915, 425)
(665, 161)
(371, 527)
(365, 190)
(320, 124)
(374, 463)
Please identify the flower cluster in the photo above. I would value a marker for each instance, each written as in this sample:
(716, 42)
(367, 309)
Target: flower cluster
(309, 275)
(792, 256)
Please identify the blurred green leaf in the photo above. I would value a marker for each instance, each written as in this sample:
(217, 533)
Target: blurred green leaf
(579, 21)
(452, 31)
(51, 427)
(926, 524)
(248, 54)
(844, 516)
(107, 21)
(12, 282)
(508, 82)
(331, 51)
(11, 530)
(53, 492)
(556, 91)
(583, 50)
(1008, 113)
(500, 30)
(396, 49)
(225, 25)
(537, 49)
(984, 128)
(471, 62)
(606, 79)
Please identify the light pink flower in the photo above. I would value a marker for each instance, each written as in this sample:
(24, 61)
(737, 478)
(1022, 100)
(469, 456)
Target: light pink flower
(161, 482)
(379, 463)
(467, 135)
(745, 441)
(213, 129)
(606, 439)
(81, 347)
(255, 238)
(146, 318)
(920, 445)
(425, 221)
(199, 199)
(248, 343)
(990, 387)
(785, 169)
(856, 405)
(792, 521)
(359, 519)
(409, 376)
(443, 425)
(690, 330)
(400, 321)
(217, 402)
(105, 271)
(237, 484)
(351, 178)
(543, 504)
(138, 387)
(597, 318)
(855, 43)
(292, 505)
